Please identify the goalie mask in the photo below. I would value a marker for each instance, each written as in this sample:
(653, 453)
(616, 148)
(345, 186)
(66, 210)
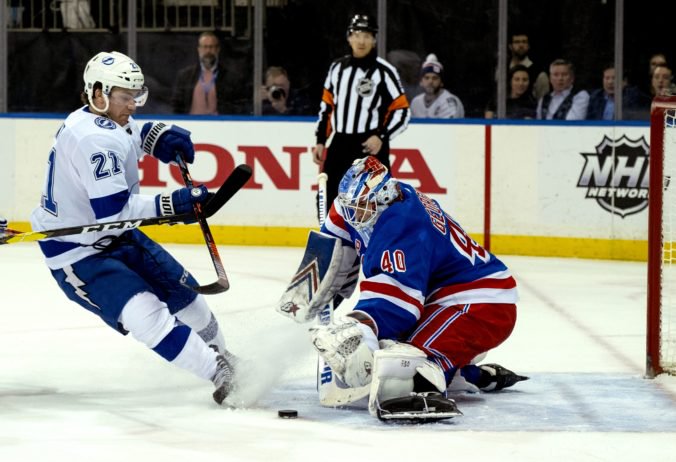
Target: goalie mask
(113, 69)
(364, 193)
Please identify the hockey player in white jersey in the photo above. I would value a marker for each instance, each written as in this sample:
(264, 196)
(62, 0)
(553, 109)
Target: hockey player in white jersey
(431, 304)
(124, 277)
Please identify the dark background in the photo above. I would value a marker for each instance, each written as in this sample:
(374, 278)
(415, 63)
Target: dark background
(45, 68)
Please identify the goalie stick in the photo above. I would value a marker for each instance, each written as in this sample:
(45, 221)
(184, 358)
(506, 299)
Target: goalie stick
(232, 184)
(332, 391)
(221, 284)
(325, 377)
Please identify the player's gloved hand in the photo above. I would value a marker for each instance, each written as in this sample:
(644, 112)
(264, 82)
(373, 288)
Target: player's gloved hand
(165, 141)
(180, 201)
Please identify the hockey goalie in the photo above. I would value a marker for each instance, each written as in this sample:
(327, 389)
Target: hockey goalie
(431, 302)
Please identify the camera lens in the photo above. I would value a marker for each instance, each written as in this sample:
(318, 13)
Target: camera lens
(277, 93)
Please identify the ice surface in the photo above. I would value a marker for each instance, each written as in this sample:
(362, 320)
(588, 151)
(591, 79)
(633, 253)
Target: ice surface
(73, 389)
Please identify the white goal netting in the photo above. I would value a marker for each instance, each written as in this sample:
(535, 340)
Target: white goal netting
(668, 283)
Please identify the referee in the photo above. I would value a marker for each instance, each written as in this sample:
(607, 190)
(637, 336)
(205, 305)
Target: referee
(363, 106)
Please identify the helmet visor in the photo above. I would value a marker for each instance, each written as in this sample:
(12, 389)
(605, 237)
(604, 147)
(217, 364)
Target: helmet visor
(126, 96)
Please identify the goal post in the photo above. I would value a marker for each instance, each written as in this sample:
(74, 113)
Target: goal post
(661, 300)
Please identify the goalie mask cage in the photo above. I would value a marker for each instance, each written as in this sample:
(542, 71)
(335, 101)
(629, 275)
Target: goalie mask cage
(661, 325)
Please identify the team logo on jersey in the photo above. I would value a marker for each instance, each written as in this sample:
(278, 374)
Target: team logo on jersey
(104, 122)
(365, 87)
(616, 175)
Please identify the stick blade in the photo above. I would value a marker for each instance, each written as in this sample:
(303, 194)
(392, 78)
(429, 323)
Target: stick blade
(217, 287)
(237, 179)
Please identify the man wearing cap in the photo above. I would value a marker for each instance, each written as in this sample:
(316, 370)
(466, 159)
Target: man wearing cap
(435, 102)
(363, 106)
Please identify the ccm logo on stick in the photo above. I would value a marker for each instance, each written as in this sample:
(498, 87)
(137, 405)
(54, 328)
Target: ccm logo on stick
(107, 227)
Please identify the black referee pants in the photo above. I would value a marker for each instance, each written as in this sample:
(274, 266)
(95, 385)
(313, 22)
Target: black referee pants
(344, 150)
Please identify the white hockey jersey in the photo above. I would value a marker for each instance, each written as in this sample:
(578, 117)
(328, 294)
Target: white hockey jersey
(92, 176)
(446, 106)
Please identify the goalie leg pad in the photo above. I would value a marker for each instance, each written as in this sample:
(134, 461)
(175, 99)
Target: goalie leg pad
(326, 269)
(394, 368)
(319, 265)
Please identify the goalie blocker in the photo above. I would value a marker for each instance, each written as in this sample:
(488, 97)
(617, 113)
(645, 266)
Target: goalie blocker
(327, 269)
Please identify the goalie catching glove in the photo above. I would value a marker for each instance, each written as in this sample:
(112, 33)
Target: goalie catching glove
(347, 346)
(164, 142)
(328, 269)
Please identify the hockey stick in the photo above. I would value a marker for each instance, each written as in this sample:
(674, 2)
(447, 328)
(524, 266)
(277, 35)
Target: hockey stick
(325, 376)
(221, 284)
(322, 179)
(234, 183)
(332, 391)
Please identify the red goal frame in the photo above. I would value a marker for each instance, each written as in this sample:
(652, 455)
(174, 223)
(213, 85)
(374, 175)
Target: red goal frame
(653, 331)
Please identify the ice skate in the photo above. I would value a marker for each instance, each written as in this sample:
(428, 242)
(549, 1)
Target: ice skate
(495, 377)
(223, 379)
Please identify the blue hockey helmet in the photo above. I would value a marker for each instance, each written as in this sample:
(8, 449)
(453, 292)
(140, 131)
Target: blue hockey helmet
(365, 191)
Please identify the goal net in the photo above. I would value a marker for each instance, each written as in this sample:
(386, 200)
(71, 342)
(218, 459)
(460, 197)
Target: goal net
(661, 328)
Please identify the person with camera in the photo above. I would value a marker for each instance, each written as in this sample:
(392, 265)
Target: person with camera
(278, 96)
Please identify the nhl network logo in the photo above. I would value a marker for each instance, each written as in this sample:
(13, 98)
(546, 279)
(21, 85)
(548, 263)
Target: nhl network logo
(616, 175)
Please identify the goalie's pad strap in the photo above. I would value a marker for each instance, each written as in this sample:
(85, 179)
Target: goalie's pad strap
(418, 407)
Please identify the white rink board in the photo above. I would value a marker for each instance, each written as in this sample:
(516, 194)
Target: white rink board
(536, 169)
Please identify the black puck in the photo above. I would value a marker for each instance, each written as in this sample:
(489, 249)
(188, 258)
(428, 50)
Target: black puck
(287, 413)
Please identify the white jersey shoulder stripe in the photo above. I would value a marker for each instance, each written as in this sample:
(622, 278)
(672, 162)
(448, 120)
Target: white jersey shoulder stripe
(387, 288)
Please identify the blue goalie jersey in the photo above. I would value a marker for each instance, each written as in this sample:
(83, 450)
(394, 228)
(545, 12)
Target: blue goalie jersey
(417, 258)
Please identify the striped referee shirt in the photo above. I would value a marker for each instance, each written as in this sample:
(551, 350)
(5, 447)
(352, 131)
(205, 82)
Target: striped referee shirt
(362, 95)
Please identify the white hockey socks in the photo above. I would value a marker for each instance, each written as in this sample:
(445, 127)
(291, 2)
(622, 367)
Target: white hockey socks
(149, 321)
(199, 317)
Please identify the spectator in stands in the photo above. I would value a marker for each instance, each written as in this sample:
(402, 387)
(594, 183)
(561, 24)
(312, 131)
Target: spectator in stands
(278, 96)
(661, 81)
(76, 14)
(435, 102)
(206, 86)
(564, 102)
(658, 59)
(519, 47)
(602, 100)
(520, 101)
(408, 64)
